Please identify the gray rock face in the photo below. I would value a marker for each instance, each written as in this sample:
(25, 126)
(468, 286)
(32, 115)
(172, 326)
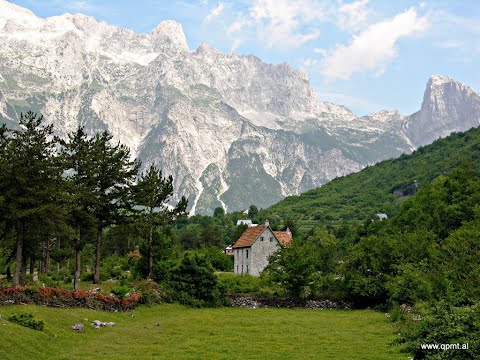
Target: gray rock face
(232, 130)
(448, 106)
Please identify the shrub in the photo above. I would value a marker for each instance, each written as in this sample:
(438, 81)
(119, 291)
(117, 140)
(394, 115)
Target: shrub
(446, 324)
(27, 320)
(194, 283)
(87, 277)
(217, 258)
(113, 266)
(121, 291)
(236, 284)
(64, 298)
(151, 292)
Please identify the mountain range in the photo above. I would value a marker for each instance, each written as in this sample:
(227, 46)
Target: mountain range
(231, 130)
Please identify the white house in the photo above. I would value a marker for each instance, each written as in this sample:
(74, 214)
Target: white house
(246, 222)
(252, 250)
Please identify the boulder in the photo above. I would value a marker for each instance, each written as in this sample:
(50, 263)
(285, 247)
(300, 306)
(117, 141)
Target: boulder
(78, 327)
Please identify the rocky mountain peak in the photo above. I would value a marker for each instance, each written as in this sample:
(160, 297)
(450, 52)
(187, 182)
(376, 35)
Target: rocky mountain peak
(206, 49)
(447, 106)
(170, 32)
(9, 10)
(438, 79)
(439, 87)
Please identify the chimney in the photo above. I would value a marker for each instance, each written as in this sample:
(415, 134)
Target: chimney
(288, 231)
(267, 223)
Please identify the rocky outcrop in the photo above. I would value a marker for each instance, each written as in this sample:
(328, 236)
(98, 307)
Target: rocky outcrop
(448, 106)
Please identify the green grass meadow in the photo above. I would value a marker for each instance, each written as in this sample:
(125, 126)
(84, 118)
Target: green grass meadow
(185, 333)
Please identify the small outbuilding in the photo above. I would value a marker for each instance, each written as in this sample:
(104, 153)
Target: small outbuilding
(381, 216)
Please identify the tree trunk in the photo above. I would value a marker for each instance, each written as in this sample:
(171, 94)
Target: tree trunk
(23, 276)
(32, 264)
(150, 253)
(96, 275)
(47, 258)
(19, 256)
(76, 280)
(58, 263)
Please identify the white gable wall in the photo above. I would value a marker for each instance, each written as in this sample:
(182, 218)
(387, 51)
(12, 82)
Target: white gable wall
(261, 251)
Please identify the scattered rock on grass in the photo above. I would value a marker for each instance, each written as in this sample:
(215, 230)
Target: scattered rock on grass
(78, 327)
(97, 324)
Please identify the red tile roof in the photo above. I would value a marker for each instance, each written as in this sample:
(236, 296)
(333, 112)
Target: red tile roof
(284, 237)
(249, 236)
(252, 233)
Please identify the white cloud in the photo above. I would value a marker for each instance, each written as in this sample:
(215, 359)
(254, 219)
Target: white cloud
(286, 23)
(373, 47)
(353, 16)
(215, 12)
(309, 64)
(320, 51)
(238, 25)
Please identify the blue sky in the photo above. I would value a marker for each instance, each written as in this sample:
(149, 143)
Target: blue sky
(367, 55)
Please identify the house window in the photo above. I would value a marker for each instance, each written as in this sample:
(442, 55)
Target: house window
(237, 269)
(261, 238)
(271, 239)
(247, 255)
(247, 269)
(242, 269)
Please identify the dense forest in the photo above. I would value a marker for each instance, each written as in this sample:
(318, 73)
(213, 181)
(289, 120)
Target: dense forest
(377, 189)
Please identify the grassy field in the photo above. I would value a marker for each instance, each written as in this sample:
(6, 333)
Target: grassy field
(184, 333)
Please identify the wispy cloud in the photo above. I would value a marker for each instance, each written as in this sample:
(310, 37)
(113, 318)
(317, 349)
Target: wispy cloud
(353, 16)
(286, 23)
(214, 13)
(460, 33)
(372, 48)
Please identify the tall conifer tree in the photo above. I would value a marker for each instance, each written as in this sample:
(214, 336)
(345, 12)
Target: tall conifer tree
(113, 175)
(152, 193)
(31, 184)
(78, 153)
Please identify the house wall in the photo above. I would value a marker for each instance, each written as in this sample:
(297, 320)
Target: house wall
(261, 251)
(242, 261)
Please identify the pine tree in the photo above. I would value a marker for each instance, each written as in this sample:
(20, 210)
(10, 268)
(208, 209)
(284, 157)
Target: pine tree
(152, 193)
(78, 155)
(113, 175)
(31, 184)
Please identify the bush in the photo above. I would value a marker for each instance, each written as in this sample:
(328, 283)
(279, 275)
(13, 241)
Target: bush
(236, 284)
(114, 266)
(446, 324)
(87, 277)
(218, 260)
(64, 298)
(194, 283)
(121, 291)
(27, 320)
(151, 292)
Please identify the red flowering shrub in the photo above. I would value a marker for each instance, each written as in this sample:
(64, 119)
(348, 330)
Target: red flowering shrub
(65, 298)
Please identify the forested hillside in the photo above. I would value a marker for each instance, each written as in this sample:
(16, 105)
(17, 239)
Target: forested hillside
(380, 188)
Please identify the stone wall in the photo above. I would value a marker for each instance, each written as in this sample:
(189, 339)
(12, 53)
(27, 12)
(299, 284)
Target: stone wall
(261, 251)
